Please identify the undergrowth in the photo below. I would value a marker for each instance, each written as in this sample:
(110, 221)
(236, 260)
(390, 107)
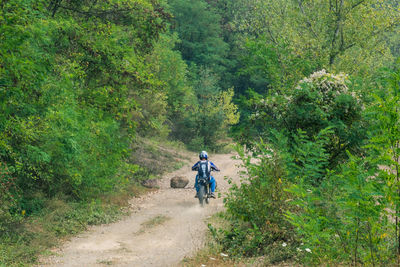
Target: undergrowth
(215, 255)
(210, 254)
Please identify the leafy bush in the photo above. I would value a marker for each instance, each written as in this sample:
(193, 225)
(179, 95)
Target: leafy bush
(256, 209)
(344, 218)
(9, 195)
(320, 101)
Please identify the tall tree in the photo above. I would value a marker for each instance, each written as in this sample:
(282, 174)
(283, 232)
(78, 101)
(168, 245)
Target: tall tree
(294, 38)
(198, 26)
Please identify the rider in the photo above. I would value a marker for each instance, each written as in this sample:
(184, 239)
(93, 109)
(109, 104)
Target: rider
(211, 166)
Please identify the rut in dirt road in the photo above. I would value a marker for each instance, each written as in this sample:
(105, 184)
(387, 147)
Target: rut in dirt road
(167, 226)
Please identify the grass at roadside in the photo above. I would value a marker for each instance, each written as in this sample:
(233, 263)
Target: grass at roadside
(155, 221)
(59, 219)
(156, 156)
(152, 223)
(212, 255)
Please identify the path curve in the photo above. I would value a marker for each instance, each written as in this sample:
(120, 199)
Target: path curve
(166, 226)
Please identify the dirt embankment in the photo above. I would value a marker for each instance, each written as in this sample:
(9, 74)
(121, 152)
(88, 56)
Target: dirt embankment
(164, 227)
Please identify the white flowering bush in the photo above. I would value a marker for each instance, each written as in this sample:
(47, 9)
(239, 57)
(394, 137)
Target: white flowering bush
(319, 101)
(328, 83)
(328, 87)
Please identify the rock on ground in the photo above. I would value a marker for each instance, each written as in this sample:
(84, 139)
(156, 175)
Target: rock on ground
(150, 183)
(179, 182)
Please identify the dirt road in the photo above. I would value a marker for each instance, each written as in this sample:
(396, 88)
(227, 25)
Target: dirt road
(166, 226)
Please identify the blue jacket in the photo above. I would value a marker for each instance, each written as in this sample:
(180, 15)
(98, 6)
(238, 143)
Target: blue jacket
(212, 165)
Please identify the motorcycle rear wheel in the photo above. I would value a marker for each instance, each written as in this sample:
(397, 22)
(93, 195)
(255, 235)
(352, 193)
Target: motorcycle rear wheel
(202, 195)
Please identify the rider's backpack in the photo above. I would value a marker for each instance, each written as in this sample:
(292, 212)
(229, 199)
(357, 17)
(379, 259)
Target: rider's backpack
(204, 169)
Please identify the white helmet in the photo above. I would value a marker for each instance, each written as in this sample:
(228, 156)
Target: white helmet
(203, 155)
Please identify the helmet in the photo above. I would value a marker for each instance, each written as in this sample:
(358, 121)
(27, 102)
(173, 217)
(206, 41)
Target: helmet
(203, 155)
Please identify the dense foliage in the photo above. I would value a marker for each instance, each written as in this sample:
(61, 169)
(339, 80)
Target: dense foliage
(289, 40)
(320, 129)
(79, 81)
(320, 101)
(294, 204)
(199, 25)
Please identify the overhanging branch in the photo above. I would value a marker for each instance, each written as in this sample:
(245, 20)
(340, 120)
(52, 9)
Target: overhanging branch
(97, 13)
(307, 20)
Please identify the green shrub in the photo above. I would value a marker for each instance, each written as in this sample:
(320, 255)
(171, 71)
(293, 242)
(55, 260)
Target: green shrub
(320, 101)
(256, 209)
(344, 219)
(9, 196)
